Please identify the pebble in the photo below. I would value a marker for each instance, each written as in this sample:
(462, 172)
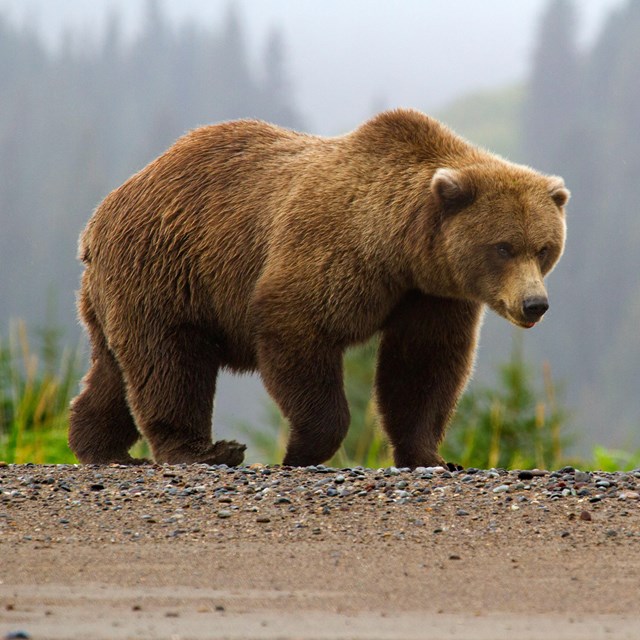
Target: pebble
(503, 488)
(224, 513)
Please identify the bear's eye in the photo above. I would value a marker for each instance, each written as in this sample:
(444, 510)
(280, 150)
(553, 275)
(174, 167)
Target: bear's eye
(543, 253)
(505, 250)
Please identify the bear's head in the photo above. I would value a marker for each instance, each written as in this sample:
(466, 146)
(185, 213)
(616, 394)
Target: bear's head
(502, 231)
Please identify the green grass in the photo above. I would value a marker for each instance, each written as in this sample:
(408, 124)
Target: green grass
(518, 423)
(614, 459)
(35, 390)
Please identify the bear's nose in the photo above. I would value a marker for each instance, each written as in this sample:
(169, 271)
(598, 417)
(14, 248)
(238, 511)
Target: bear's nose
(534, 308)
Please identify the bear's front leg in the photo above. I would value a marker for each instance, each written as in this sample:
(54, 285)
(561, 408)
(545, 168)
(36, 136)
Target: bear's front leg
(306, 382)
(425, 358)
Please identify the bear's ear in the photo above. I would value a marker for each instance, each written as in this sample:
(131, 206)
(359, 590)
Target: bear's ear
(452, 188)
(558, 192)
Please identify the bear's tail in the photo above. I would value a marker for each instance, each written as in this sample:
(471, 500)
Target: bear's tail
(84, 251)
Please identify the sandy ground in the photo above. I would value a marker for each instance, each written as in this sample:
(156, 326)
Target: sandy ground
(201, 552)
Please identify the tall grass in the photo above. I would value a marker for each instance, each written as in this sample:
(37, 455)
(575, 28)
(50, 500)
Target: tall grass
(35, 389)
(514, 424)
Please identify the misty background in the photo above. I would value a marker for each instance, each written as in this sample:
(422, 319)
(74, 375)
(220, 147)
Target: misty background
(91, 92)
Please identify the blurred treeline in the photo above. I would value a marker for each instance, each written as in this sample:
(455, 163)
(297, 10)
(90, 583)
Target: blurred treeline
(74, 123)
(77, 122)
(582, 119)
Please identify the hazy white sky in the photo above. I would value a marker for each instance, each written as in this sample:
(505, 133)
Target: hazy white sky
(348, 56)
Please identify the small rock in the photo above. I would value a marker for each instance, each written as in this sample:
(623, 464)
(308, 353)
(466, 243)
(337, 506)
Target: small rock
(586, 516)
(282, 500)
(629, 495)
(462, 512)
(454, 556)
(525, 475)
(263, 519)
(582, 476)
(503, 488)
(339, 479)
(97, 487)
(612, 533)
(15, 635)
(224, 513)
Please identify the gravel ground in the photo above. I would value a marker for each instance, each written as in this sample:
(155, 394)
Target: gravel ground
(272, 552)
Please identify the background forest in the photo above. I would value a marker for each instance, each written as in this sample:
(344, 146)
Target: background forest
(76, 122)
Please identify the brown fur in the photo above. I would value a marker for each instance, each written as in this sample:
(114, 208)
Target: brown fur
(251, 247)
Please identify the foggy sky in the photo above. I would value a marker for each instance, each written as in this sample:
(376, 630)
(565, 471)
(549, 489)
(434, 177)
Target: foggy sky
(349, 58)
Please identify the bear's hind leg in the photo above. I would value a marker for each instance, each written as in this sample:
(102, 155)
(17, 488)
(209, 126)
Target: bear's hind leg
(170, 391)
(101, 428)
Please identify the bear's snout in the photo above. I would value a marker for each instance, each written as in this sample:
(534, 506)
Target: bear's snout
(534, 308)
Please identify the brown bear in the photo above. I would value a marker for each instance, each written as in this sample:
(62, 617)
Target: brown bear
(252, 247)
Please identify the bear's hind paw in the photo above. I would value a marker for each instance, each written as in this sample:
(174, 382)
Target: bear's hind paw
(227, 452)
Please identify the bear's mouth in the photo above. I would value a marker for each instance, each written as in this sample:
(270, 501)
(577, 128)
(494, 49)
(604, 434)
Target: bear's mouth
(523, 324)
(519, 322)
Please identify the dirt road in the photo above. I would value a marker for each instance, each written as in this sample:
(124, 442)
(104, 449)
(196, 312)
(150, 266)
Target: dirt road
(264, 553)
